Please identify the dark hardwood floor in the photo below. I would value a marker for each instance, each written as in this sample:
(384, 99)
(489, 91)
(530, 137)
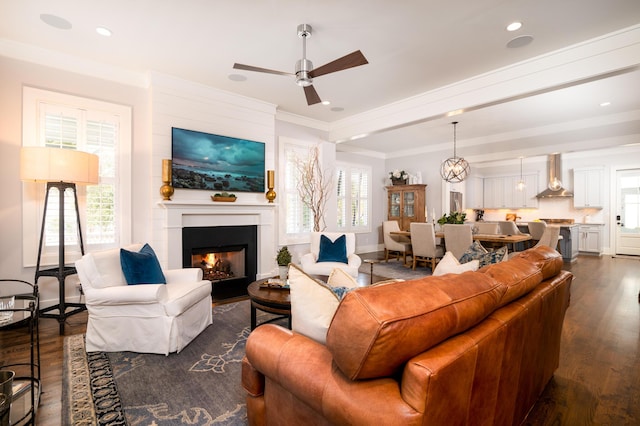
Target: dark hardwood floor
(597, 383)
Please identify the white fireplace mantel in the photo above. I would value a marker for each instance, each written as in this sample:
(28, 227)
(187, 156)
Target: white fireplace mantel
(181, 214)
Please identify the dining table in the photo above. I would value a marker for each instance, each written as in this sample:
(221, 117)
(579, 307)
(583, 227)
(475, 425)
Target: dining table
(483, 238)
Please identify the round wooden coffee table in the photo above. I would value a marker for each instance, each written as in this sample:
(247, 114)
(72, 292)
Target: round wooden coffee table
(273, 300)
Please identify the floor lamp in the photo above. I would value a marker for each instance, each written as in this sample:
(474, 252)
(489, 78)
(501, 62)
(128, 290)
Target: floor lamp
(61, 169)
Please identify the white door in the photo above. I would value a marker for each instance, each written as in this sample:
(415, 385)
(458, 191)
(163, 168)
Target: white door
(628, 212)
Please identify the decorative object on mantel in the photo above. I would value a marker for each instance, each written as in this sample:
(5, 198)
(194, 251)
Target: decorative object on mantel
(166, 190)
(271, 194)
(454, 169)
(284, 259)
(398, 177)
(455, 218)
(224, 197)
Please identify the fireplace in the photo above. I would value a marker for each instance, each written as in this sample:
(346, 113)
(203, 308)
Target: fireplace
(227, 256)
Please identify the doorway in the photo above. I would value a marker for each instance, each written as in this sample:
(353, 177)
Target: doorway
(628, 212)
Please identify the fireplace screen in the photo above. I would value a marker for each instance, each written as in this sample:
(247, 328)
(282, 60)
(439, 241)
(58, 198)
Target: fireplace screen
(221, 263)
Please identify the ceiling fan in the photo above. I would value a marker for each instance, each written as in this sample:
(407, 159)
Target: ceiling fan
(304, 68)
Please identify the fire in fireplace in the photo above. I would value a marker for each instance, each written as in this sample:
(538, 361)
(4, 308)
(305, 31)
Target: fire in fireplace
(220, 263)
(227, 255)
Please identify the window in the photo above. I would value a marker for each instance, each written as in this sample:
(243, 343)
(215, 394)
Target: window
(354, 195)
(68, 122)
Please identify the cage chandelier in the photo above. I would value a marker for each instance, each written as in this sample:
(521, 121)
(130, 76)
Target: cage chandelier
(454, 169)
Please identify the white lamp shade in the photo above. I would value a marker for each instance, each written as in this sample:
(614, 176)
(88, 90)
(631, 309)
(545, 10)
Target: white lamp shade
(41, 164)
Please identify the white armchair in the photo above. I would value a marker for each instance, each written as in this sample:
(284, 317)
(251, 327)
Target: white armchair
(147, 318)
(309, 262)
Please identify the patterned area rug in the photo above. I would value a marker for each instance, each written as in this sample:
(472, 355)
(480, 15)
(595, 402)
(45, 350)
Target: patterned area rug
(395, 269)
(199, 386)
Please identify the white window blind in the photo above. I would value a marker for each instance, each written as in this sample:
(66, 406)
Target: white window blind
(353, 196)
(69, 122)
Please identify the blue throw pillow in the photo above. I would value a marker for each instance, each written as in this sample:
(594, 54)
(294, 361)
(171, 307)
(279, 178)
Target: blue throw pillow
(333, 251)
(141, 267)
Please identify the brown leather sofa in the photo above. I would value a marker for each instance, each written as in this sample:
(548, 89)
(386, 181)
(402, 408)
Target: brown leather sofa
(471, 349)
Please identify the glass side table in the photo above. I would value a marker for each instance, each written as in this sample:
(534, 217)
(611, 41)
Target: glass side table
(26, 382)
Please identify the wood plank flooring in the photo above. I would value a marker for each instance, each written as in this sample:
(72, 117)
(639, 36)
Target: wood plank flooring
(597, 383)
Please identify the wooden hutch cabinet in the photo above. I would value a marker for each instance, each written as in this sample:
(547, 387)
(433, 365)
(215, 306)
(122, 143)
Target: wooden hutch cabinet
(406, 204)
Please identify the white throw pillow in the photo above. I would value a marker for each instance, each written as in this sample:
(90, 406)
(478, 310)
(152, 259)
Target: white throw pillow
(450, 265)
(340, 278)
(313, 304)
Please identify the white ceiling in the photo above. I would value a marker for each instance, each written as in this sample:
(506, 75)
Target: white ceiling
(412, 47)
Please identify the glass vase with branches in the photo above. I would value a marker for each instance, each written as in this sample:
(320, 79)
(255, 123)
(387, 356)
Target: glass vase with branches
(314, 186)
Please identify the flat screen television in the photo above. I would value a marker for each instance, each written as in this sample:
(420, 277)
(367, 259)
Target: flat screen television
(216, 162)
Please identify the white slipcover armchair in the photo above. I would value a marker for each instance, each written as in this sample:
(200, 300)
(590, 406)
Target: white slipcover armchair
(309, 261)
(146, 318)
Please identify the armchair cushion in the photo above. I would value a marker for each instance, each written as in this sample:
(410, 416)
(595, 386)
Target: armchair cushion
(333, 251)
(141, 267)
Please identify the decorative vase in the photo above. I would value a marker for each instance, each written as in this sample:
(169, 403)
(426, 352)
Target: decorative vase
(284, 270)
(398, 181)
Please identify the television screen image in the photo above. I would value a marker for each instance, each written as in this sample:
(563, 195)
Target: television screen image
(215, 162)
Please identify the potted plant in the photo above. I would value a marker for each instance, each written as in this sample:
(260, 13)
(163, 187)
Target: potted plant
(455, 218)
(398, 177)
(283, 259)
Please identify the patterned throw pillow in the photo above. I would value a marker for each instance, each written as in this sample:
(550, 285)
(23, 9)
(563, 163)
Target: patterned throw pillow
(493, 256)
(474, 251)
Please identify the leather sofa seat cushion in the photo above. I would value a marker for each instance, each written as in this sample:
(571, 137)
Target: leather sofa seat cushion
(377, 329)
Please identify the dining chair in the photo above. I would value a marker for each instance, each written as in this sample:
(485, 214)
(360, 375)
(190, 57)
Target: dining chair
(423, 245)
(491, 228)
(395, 245)
(536, 229)
(508, 227)
(550, 237)
(457, 238)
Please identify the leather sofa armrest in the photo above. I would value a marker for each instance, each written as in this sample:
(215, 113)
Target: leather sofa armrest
(184, 275)
(126, 295)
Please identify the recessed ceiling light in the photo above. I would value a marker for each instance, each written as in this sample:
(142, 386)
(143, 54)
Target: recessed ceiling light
(55, 21)
(514, 26)
(326, 102)
(337, 109)
(104, 31)
(237, 77)
(520, 41)
(604, 104)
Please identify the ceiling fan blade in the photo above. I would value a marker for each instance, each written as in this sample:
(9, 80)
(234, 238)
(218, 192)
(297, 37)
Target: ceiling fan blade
(312, 95)
(354, 59)
(258, 69)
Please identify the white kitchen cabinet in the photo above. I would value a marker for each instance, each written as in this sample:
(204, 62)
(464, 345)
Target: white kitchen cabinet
(502, 193)
(590, 239)
(475, 193)
(587, 188)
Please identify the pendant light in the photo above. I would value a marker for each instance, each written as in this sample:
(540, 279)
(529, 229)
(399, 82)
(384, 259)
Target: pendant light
(521, 185)
(454, 169)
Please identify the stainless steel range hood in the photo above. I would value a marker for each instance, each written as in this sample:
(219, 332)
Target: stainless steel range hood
(554, 184)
